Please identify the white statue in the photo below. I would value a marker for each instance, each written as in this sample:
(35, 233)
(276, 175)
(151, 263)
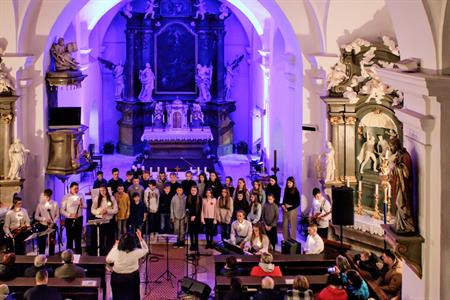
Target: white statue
(203, 80)
(330, 163)
(390, 43)
(150, 9)
(158, 113)
(63, 57)
(128, 10)
(17, 156)
(6, 85)
(224, 11)
(201, 9)
(118, 80)
(337, 75)
(197, 114)
(367, 153)
(147, 79)
(383, 146)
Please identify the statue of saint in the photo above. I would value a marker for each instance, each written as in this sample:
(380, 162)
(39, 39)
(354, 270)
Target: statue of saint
(17, 156)
(367, 153)
(197, 114)
(203, 80)
(158, 113)
(330, 163)
(63, 57)
(201, 9)
(402, 184)
(118, 81)
(383, 146)
(150, 9)
(147, 79)
(6, 86)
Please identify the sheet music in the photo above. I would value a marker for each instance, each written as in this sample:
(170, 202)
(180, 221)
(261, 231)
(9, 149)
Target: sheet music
(76, 258)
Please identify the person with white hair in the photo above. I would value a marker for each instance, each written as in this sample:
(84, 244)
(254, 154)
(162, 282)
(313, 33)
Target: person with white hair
(40, 262)
(268, 291)
(4, 293)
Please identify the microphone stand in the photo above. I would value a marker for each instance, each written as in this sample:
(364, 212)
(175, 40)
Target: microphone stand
(57, 231)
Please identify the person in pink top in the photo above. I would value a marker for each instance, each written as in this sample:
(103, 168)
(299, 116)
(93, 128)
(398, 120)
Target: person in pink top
(209, 217)
(266, 267)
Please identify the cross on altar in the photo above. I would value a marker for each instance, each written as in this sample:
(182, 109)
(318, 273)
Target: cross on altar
(177, 169)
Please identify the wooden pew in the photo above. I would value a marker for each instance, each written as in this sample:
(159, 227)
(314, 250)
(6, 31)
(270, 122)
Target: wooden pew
(94, 265)
(252, 284)
(77, 289)
(289, 264)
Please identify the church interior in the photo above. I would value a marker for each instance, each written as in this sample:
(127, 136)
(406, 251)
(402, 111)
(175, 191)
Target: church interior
(224, 149)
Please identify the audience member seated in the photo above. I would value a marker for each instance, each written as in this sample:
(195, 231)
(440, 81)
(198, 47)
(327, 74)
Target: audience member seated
(300, 290)
(231, 269)
(241, 230)
(367, 261)
(41, 291)
(267, 291)
(266, 267)
(236, 290)
(40, 262)
(259, 242)
(342, 266)
(314, 243)
(334, 289)
(390, 279)
(4, 293)
(357, 288)
(69, 270)
(8, 270)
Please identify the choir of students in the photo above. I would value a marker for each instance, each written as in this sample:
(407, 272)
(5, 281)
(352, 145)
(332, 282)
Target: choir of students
(246, 218)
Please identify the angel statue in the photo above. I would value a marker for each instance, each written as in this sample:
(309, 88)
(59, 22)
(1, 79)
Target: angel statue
(147, 79)
(330, 163)
(128, 10)
(201, 9)
(117, 71)
(150, 9)
(224, 11)
(17, 158)
(203, 80)
(367, 153)
(62, 54)
(231, 69)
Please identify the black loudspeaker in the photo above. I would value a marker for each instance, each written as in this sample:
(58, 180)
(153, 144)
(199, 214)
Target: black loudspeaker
(342, 208)
(291, 247)
(64, 116)
(193, 287)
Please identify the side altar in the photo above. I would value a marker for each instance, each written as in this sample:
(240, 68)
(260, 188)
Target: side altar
(175, 61)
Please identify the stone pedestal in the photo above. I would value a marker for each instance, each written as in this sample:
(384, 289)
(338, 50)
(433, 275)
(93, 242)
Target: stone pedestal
(7, 190)
(7, 115)
(217, 117)
(130, 127)
(66, 151)
(408, 247)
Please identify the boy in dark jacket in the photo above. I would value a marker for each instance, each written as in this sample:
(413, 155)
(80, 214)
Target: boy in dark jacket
(165, 200)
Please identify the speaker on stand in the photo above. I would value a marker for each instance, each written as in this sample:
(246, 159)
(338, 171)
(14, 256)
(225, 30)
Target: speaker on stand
(342, 210)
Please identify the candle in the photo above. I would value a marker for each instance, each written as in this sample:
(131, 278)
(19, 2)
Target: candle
(151, 170)
(389, 192)
(360, 186)
(376, 189)
(109, 204)
(205, 169)
(165, 169)
(387, 154)
(164, 119)
(152, 119)
(157, 169)
(275, 159)
(348, 182)
(198, 170)
(143, 168)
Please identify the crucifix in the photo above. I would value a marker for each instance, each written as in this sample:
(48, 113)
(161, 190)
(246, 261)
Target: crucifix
(177, 169)
(275, 168)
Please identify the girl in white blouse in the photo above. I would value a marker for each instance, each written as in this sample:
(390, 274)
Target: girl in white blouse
(17, 223)
(124, 257)
(259, 243)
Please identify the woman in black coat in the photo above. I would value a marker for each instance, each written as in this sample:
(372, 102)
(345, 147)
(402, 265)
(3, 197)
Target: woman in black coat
(274, 189)
(194, 206)
(214, 184)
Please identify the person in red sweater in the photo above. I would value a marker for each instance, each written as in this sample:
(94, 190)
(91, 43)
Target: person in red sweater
(266, 267)
(334, 289)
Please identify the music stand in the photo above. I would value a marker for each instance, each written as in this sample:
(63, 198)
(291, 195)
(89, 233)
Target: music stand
(166, 274)
(98, 222)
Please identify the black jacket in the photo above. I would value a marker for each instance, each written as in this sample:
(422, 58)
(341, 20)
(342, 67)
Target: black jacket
(164, 203)
(216, 188)
(186, 185)
(291, 198)
(42, 292)
(268, 295)
(31, 271)
(275, 190)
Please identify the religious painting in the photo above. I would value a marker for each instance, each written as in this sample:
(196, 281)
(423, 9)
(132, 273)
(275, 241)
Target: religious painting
(176, 8)
(175, 59)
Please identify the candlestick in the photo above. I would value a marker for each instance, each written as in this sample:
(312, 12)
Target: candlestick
(359, 209)
(376, 214)
(348, 181)
(360, 185)
(389, 208)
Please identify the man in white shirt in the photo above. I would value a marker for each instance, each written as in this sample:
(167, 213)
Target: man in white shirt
(47, 214)
(314, 243)
(321, 213)
(72, 207)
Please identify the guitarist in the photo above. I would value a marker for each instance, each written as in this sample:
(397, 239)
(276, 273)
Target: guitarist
(72, 207)
(47, 214)
(320, 213)
(17, 225)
